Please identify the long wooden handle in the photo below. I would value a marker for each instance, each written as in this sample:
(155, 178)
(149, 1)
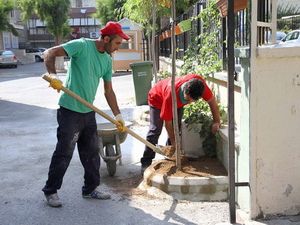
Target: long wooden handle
(103, 114)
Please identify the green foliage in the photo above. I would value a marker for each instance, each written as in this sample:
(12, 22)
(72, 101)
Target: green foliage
(163, 75)
(199, 113)
(110, 10)
(53, 12)
(183, 5)
(202, 56)
(5, 7)
(27, 7)
(139, 11)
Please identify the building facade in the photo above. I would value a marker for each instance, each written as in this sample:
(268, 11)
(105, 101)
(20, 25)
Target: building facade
(81, 21)
(7, 39)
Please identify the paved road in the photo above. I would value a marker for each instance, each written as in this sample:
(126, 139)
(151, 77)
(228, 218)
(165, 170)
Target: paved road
(28, 129)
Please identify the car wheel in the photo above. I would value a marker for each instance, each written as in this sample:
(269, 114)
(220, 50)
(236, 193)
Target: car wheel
(37, 58)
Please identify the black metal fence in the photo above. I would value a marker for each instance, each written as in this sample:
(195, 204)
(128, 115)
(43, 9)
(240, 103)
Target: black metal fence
(289, 23)
(183, 40)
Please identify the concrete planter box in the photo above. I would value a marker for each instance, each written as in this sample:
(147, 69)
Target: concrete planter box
(191, 140)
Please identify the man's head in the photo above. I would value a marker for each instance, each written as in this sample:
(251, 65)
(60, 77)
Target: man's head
(193, 89)
(112, 36)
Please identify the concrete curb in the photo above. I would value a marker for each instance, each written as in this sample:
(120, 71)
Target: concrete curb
(213, 188)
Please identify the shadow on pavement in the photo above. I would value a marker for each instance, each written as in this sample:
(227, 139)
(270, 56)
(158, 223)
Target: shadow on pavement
(23, 71)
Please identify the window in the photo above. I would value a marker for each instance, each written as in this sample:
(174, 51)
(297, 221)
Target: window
(78, 4)
(130, 44)
(292, 36)
(295, 36)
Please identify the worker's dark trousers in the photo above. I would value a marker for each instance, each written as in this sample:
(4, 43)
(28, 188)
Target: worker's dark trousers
(80, 128)
(155, 128)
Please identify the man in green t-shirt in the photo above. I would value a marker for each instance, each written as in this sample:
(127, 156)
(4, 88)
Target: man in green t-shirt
(90, 60)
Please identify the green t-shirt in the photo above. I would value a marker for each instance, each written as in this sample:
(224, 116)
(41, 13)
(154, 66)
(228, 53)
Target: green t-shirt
(87, 66)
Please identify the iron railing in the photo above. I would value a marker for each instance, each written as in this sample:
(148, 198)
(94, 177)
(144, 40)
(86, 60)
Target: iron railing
(242, 32)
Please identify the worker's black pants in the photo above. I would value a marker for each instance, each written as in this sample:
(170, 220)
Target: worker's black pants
(80, 128)
(155, 128)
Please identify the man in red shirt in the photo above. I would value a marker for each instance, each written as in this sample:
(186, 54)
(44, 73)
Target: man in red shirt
(189, 88)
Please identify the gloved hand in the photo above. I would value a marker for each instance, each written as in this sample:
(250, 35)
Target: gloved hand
(55, 82)
(215, 127)
(121, 123)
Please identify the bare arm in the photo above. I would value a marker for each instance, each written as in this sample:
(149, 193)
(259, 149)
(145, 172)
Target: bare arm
(215, 113)
(111, 98)
(170, 131)
(50, 55)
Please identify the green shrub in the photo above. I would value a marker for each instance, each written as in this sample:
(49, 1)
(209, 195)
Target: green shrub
(199, 112)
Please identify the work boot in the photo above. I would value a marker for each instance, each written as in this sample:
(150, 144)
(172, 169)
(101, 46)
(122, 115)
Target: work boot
(53, 200)
(95, 194)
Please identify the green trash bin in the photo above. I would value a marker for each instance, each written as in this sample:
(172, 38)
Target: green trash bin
(142, 77)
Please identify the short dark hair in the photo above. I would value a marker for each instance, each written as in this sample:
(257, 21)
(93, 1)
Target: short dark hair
(194, 88)
(112, 36)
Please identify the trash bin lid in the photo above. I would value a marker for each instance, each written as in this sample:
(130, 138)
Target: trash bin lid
(145, 63)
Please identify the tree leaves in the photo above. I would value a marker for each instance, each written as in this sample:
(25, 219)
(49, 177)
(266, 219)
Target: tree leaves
(6, 6)
(110, 10)
(53, 12)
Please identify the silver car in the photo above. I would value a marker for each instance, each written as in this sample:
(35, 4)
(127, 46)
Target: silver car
(8, 58)
(292, 39)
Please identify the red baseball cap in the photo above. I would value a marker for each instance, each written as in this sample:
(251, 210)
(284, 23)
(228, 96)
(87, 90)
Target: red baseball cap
(112, 28)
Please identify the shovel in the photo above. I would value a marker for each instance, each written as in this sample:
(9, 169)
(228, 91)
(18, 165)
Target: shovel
(166, 151)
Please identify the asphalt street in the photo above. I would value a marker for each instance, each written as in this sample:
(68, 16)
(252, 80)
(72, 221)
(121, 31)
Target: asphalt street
(28, 137)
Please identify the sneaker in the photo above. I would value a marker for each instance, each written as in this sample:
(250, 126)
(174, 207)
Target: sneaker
(97, 195)
(53, 200)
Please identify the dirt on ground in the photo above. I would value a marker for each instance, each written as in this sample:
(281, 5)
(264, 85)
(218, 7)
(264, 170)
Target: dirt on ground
(191, 167)
(201, 167)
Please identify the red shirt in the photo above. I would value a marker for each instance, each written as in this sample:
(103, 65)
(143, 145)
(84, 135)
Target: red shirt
(160, 96)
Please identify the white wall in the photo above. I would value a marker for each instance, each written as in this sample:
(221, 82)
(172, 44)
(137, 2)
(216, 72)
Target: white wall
(274, 132)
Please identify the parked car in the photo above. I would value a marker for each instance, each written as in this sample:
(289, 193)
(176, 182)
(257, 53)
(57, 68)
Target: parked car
(37, 52)
(291, 39)
(279, 36)
(8, 58)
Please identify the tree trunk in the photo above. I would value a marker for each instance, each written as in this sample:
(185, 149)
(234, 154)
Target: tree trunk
(174, 100)
(153, 41)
